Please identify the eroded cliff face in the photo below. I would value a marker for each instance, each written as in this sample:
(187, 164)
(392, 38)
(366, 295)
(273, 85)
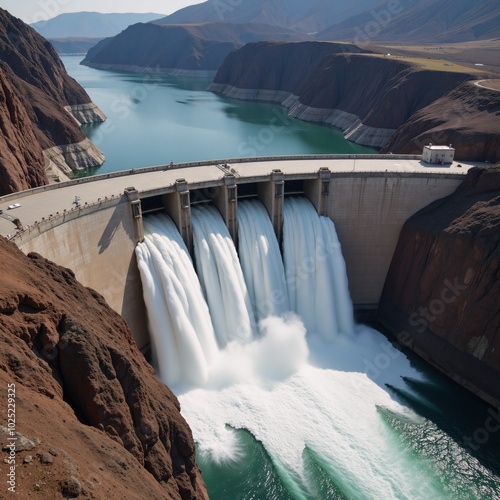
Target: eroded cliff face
(34, 79)
(276, 66)
(468, 117)
(21, 156)
(375, 100)
(85, 393)
(442, 293)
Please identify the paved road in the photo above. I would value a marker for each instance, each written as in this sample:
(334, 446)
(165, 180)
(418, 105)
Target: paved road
(40, 204)
(489, 84)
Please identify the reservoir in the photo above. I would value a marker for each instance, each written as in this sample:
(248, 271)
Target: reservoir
(291, 414)
(166, 119)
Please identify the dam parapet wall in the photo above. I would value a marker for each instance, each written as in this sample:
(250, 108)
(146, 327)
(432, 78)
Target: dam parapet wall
(368, 197)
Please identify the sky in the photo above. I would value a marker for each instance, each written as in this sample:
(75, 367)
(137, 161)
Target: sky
(31, 11)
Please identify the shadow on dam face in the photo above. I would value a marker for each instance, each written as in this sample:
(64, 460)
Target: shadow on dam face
(133, 306)
(116, 220)
(368, 208)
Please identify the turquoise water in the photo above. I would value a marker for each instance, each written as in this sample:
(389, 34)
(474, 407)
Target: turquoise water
(153, 120)
(447, 439)
(447, 443)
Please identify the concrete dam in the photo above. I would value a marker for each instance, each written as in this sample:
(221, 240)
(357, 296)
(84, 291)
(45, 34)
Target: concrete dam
(92, 225)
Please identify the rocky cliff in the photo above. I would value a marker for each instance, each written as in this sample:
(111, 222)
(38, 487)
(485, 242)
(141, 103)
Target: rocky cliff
(21, 157)
(99, 423)
(192, 49)
(37, 89)
(467, 117)
(369, 96)
(442, 291)
(277, 66)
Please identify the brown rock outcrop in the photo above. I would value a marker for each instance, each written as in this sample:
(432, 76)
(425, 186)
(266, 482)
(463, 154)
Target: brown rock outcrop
(86, 392)
(38, 82)
(467, 117)
(21, 157)
(442, 291)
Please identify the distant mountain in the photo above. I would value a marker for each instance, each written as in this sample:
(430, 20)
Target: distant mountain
(303, 16)
(422, 21)
(90, 24)
(179, 48)
(360, 21)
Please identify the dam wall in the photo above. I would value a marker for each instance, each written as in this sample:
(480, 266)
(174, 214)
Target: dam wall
(369, 212)
(368, 198)
(97, 244)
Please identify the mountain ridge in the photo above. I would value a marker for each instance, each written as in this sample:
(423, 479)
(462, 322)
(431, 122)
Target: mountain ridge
(190, 48)
(363, 21)
(89, 24)
(303, 17)
(446, 21)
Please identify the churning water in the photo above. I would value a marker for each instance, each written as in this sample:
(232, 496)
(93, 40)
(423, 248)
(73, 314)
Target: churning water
(286, 396)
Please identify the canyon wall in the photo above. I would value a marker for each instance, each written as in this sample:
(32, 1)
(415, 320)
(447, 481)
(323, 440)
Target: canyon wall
(21, 158)
(442, 291)
(37, 96)
(376, 100)
(468, 117)
(100, 424)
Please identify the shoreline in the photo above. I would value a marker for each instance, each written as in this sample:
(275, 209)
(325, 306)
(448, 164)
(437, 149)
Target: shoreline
(348, 123)
(132, 68)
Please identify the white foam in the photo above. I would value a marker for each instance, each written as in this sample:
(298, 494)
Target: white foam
(279, 352)
(292, 389)
(332, 412)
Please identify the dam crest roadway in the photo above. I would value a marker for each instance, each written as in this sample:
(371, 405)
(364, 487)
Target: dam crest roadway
(368, 197)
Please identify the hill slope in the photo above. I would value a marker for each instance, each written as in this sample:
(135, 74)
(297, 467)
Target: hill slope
(170, 48)
(422, 21)
(107, 427)
(41, 108)
(468, 117)
(301, 16)
(89, 24)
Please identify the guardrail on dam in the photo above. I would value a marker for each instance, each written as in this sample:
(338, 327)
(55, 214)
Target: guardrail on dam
(368, 197)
